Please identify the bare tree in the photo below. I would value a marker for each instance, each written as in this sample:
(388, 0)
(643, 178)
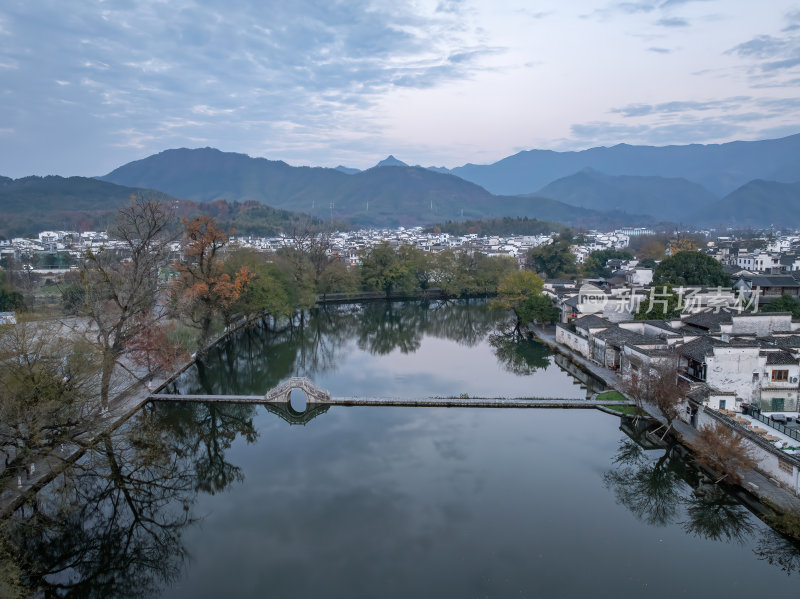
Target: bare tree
(724, 451)
(656, 385)
(121, 285)
(315, 243)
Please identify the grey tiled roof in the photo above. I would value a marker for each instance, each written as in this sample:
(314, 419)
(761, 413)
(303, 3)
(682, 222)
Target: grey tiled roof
(663, 326)
(591, 321)
(772, 281)
(619, 337)
(708, 320)
(697, 349)
(789, 341)
(780, 357)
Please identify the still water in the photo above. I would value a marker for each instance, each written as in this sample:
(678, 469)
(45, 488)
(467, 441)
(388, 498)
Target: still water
(397, 349)
(222, 500)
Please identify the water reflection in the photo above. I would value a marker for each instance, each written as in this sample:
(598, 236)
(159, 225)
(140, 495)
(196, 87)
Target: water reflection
(257, 359)
(666, 489)
(517, 355)
(648, 488)
(113, 525)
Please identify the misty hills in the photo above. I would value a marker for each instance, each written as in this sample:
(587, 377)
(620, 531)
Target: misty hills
(663, 198)
(755, 204)
(396, 194)
(384, 195)
(393, 193)
(31, 204)
(720, 168)
(758, 203)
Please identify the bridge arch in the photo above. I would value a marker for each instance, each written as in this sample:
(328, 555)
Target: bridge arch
(314, 393)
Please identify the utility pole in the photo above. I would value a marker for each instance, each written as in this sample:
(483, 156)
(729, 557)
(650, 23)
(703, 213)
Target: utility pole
(331, 211)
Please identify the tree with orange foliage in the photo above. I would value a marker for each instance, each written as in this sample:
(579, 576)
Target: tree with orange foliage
(683, 244)
(203, 290)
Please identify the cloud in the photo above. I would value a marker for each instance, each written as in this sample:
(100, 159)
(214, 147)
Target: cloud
(778, 65)
(671, 3)
(772, 59)
(675, 107)
(640, 7)
(672, 22)
(762, 46)
(698, 131)
(793, 19)
(139, 67)
(692, 121)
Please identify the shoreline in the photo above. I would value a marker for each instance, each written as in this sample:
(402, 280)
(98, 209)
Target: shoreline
(130, 400)
(754, 482)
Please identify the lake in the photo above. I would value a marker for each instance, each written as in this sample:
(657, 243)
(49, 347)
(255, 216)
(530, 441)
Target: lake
(232, 500)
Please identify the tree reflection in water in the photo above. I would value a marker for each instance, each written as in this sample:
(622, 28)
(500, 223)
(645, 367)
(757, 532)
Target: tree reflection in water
(111, 524)
(714, 514)
(257, 359)
(667, 489)
(650, 489)
(519, 356)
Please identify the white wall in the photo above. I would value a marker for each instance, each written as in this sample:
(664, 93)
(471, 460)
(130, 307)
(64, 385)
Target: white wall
(762, 324)
(573, 341)
(766, 460)
(731, 369)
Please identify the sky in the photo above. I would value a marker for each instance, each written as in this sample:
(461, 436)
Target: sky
(88, 85)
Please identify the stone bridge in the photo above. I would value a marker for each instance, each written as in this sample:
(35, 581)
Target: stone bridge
(314, 394)
(317, 397)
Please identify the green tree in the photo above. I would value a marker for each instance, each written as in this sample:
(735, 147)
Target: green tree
(514, 291)
(450, 275)
(488, 271)
(595, 263)
(418, 263)
(383, 270)
(48, 387)
(73, 298)
(538, 309)
(266, 291)
(10, 299)
(691, 268)
(554, 259)
(784, 303)
(338, 278)
(662, 303)
(298, 269)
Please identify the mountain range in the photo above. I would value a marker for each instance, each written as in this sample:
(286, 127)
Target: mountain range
(31, 204)
(720, 168)
(388, 195)
(743, 184)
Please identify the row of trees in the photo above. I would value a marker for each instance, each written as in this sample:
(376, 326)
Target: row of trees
(137, 307)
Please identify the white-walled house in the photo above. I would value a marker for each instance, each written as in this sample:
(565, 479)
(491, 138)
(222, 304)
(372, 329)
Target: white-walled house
(743, 371)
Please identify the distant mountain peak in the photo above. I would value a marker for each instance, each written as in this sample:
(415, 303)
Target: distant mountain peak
(391, 161)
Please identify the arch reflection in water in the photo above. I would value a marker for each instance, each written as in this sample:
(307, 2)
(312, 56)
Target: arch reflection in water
(288, 414)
